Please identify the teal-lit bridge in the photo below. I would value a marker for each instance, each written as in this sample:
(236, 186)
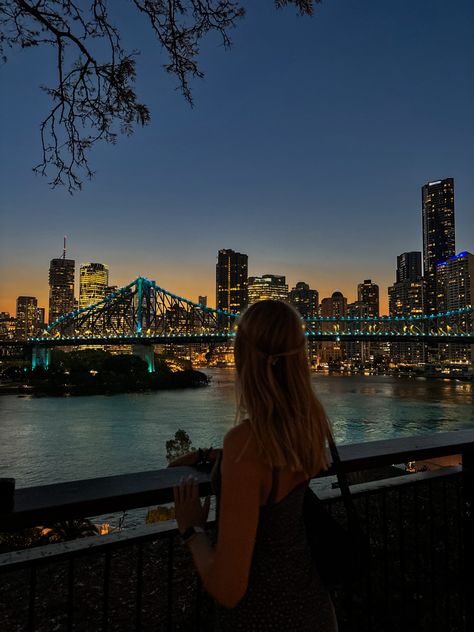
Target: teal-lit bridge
(143, 314)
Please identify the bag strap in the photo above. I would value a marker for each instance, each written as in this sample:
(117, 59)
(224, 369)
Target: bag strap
(352, 514)
(273, 490)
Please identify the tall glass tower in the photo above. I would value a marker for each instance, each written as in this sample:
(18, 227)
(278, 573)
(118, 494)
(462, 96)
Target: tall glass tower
(231, 281)
(368, 293)
(93, 283)
(61, 286)
(438, 233)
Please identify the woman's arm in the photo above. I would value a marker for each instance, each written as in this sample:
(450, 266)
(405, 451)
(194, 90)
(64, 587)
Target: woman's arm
(225, 570)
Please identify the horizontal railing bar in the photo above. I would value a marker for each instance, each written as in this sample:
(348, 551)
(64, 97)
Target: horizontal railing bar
(15, 560)
(384, 484)
(61, 501)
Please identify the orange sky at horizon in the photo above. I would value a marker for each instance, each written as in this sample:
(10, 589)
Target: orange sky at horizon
(27, 283)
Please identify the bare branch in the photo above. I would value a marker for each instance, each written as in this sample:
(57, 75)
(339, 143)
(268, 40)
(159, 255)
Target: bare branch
(94, 99)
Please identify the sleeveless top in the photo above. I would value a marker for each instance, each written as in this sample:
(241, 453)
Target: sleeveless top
(284, 591)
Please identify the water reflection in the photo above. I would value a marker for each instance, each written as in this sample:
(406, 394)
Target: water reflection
(45, 440)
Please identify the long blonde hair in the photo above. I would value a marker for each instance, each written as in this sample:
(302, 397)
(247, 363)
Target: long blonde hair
(274, 389)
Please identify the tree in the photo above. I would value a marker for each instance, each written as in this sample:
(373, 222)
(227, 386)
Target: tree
(181, 444)
(94, 98)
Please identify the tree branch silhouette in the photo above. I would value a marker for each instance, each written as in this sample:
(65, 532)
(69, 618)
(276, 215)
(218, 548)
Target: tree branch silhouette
(94, 97)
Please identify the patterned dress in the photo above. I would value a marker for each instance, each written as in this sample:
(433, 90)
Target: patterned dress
(284, 593)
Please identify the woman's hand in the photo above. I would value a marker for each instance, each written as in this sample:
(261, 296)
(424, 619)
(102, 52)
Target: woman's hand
(188, 509)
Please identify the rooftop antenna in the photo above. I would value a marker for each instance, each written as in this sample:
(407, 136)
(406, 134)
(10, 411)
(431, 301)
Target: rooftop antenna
(64, 247)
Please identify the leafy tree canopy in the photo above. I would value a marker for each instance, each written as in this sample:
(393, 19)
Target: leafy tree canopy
(94, 98)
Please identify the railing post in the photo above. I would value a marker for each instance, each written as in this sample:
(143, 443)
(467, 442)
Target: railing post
(468, 533)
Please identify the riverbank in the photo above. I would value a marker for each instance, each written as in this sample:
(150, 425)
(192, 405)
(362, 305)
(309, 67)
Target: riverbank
(171, 381)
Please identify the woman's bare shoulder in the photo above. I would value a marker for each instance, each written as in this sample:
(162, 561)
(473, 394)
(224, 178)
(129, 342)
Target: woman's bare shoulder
(239, 440)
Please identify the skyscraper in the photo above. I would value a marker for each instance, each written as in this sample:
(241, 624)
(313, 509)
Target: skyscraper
(438, 233)
(368, 293)
(61, 286)
(409, 266)
(268, 286)
(304, 299)
(455, 290)
(93, 283)
(405, 298)
(231, 281)
(335, 306)
(26, 316)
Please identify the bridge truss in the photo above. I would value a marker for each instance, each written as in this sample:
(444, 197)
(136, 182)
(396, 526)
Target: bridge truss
(144, 312)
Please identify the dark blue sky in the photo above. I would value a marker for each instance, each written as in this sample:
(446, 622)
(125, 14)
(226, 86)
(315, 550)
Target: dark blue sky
(307, 148)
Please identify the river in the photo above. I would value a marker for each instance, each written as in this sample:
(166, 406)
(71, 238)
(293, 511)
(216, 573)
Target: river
(51, 439)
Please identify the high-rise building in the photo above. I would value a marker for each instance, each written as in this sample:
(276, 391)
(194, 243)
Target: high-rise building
(7, 326)
(406, 298)
(202, 300)
(335, 306)
(268, 286)
(438, 233)
(26, 316)
(368, 293)
(304, 299)
(93, 283)
(61, 286)
(231, 281)
(409, 266)
(455, 290)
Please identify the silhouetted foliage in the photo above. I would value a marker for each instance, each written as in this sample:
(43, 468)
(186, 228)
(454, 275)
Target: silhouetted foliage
(181, 444)
(69, 530)
(94, 97)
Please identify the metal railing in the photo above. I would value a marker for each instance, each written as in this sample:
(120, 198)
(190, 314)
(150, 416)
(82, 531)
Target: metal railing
(418, 575)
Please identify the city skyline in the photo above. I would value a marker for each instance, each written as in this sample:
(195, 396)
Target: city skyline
(352, 294)
(306, 149)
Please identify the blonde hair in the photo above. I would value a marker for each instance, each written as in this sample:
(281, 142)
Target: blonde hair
(274, 389)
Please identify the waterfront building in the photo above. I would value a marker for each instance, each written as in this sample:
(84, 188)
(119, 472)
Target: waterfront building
(406, 298)
(438, 233)
(7, 326)
(61, 287)
(268, 286)
(304, 300)
(231, 281)
(368, 293)
(93, 283)
(26, 316)
(409, 266)
(358, 351)
(455, 290)
(334, 306)
(202, 300)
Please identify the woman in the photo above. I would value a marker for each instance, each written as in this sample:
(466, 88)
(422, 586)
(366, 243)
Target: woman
(260, 573)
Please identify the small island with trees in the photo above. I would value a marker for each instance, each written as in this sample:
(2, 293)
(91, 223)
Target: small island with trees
(95, 372)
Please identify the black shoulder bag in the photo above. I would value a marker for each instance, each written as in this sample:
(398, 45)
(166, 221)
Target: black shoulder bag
(338, 551)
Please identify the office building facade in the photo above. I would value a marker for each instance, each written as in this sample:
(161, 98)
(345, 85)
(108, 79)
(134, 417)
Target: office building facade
(93, 283)
(406, 298)
(231, 282)
(409, 266)
(61, 288)
(304, 300)
(27, 316)
(455, 290)
(267, 286)
(368, 293)
(438, 233)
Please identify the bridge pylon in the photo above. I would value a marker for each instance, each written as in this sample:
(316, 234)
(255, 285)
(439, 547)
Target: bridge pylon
(40, 357)
(145, 352)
